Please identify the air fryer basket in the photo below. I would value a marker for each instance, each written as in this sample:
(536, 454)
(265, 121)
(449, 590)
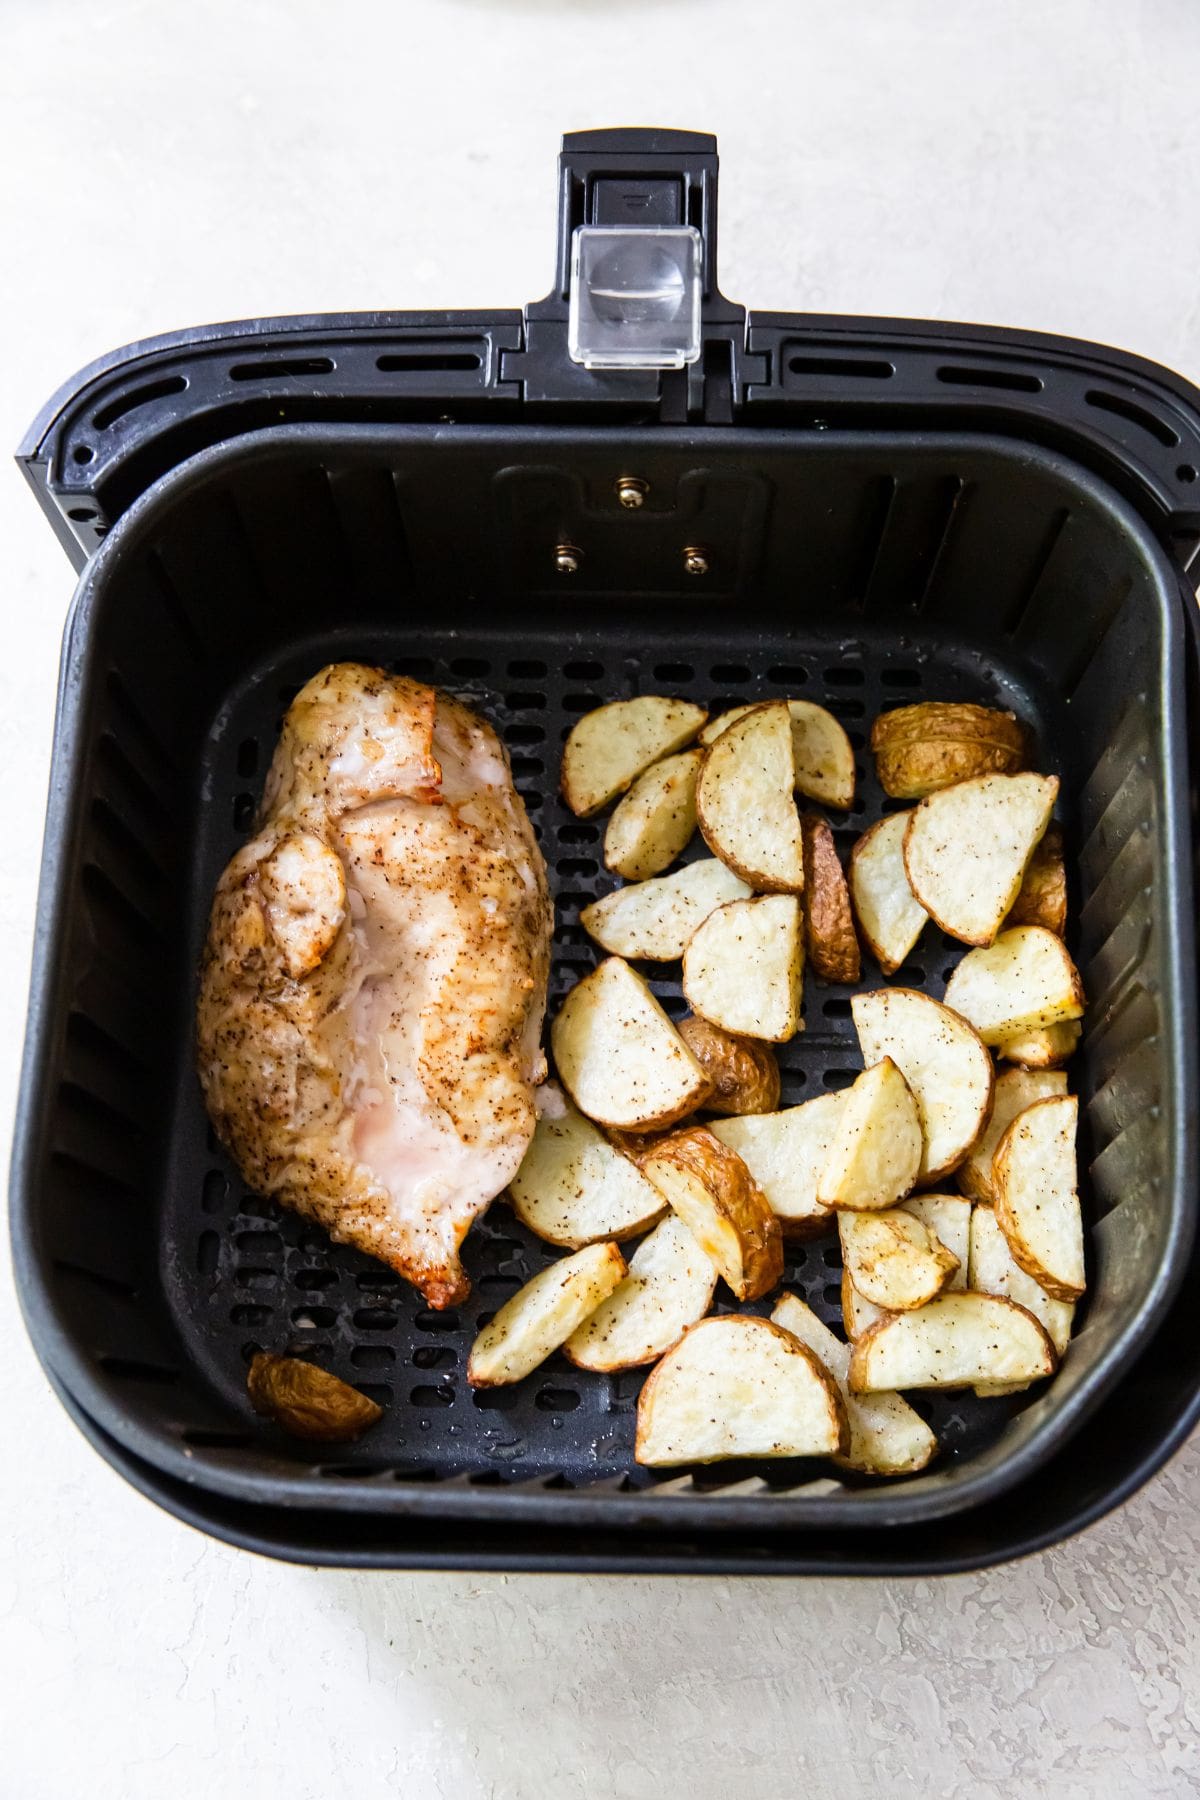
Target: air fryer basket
(864, 564)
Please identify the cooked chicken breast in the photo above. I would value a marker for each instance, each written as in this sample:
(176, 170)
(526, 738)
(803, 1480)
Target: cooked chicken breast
(374, 979)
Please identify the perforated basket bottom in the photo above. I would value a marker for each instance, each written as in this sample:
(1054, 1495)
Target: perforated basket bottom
(240, 1274)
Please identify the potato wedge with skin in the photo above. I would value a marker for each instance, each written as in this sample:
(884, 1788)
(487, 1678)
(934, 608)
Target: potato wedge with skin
(942, 1060)
(744, 1073)
(715, 1195)
(829, 923)
(1046, 1047)
(1037, 1203)
(745, 802)
(875, 1155)
(920, 749)
(743, 968)
(785, 1153)
(1015, 1090)
(966, 849)
(574, 1187)
(1020, 984)
(892, 1259)
(307, 1401)
(857, 1314)
(890, 917)
(541, 1316)
(609, 748)
(955, 1341)
(822, 752)
(655, 820)
(653, 920)
(1043, 896)
(993, 1271)
(669, 1286)
(887, 1437)
(619, 1056)
(948, 1217)
(738, 1386)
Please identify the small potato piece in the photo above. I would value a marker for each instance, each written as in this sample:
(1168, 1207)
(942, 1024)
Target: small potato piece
(653, 920)
(655, 820)
(619, 1056)
(608, 748)
(890, 916)
(857, 1314)
(1015, 1090)
(943, 1062)
(948, 1217)
(1037, 1206)
(743, 1072)
(1047, 1047)
(887, 1437)
(542, 1315)
(715, 1195)
(919, 749)
(829, 924)
(875, 1155)
(822, 753)
(743, 968)
(993, 1271)
(574, 1187)
(308, 1402)
(745, 804)
(967, 847)
(893, 1260)
(955, 1341)
(738, 1386)
(1043, 896)
(669, 1287)
(1021, 983)
(785, 1153)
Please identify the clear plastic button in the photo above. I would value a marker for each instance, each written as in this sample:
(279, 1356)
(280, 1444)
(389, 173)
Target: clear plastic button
(635, 297)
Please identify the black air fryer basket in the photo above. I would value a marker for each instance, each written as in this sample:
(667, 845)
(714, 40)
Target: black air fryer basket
(863, 512)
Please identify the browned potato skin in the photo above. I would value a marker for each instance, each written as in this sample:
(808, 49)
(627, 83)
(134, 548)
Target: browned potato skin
(743, 1071)
(736, 1197)
(828, 920)
(919, 749)
(1043, 896)
(307, 1401)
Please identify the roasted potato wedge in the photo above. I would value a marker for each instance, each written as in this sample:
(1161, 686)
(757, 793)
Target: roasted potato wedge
(829, 924)
(1021, 983)
(889, 915)
(966, 849)
(785, 1153)
(721, 721)
(308, 1402)
(1043, 896)
(542, 1315)
(619, 1056)
(892, 1259)
(743, 968)
(653, 920)
(948, 1217)
(875, 1155)
(857, 1314)
(669, 1287)
(919, 749)
(574, 1187)
(1015, 1090)
(943, 1062)
(1037, 1203)
(655, 820)
(822, 753)
(738, 1386)
(993, 1271)
(887, 1437)
(608, 748)
(745, 801)
(1044, 1047)
(955, 1341)
(743, 1072)
(727, 1213)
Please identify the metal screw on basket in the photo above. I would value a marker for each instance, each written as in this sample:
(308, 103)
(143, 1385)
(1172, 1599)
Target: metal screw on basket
(632, 491)
(567, 558)
(695, 560)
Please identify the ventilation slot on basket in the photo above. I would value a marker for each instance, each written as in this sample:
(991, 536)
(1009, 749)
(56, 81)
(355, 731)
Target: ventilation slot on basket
(428, 362)
(1011, 379)
(841, 367)
(294, 365)
(1133, 415)
(139, 396)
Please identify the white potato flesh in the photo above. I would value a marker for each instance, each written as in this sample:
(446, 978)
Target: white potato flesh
(1046, 1048)
(574, 1187)
(669, 1286)
(955, 1341)
(618, 1054)
(948, 1217)
(1015, 1090)
(887, 1437)
(653, 920)
(655, 820)
(542, 1315)
(743, 968)
(1022, 982)
(738, 1386)
(745, 801)
(785, 1153)
(893, 1259)
(889, 914)
(1037, 1203)
(943, 1061)
(967, 847)
(875, 1155)
(608, 748)
(857, 1314)
(822, 753)
(993, 1271)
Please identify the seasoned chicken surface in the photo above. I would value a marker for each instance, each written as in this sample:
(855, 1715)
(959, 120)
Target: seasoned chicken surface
(374, 978)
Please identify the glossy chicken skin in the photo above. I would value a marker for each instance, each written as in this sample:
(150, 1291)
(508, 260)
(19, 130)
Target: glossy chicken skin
(374, 978)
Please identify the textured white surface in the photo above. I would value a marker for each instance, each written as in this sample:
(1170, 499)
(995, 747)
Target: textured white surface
(1031, 164)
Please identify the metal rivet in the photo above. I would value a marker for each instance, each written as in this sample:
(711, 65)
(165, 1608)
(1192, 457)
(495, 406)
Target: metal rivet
(567, 558)
(632, 491)
(695, 560)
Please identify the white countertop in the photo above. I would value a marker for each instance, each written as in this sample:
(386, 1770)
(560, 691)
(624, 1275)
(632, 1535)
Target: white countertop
(1028, 164)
